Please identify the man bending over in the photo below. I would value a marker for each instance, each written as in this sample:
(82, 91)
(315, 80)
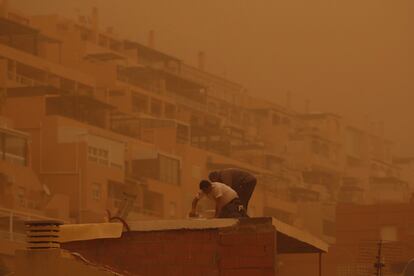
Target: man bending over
(241, 181)
(228, 204)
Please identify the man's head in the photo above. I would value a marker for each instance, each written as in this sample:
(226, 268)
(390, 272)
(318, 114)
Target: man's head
(205, 186)
(214, 176)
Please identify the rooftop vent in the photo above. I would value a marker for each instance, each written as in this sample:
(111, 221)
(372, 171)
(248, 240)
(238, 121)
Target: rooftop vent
(43, 234)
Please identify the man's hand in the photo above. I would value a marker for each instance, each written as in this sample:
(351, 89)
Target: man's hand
(193, 214)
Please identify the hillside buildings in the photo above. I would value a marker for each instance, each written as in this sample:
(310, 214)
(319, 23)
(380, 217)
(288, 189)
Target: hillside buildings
(89, 118)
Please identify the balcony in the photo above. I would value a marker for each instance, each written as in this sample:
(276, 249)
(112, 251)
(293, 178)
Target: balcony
(13, 147)
(22, 36)
(157, 166)
(151, 57)
(162, 82)
(83, 109)
(134, 198)
(210, 139)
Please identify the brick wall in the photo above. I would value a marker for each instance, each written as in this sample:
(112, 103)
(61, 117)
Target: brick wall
(242, 250)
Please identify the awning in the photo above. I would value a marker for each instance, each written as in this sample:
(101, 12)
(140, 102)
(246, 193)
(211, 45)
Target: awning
(292, 240)
(149, 72)
(103, 56)
(148, 51)
(9, 27)
(81, 101)
(32, 91)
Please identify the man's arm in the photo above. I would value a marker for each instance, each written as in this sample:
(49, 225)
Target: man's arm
(193, 212)
(218, 207)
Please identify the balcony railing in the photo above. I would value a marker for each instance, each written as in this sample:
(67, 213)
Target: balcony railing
(24, 80)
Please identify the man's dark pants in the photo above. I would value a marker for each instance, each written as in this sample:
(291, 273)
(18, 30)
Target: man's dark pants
(245, 190)
(233, 209)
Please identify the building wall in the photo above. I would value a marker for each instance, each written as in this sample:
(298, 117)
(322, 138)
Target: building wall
(186, 252)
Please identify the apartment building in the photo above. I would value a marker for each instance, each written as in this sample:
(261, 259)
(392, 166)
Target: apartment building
(98, 119)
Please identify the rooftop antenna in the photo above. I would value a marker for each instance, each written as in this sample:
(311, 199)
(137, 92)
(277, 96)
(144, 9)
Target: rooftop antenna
(379, 264)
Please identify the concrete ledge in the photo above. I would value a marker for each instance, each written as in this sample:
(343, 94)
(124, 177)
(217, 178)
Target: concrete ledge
(181, 224)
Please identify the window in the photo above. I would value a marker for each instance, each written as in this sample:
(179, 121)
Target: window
(156, 108)
(286, 121)
(106, 152)
(172, 210)
(13, 149)
(169, 170)
(163, 168)
(153, 203)
(170, 111)
(98, 155)
(96, 191)
(21, 196)
(183, 134)
(139, 103)
(275, 119)
(315, 147)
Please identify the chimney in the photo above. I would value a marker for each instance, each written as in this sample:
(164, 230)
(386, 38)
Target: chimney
(201, 60)
(43, 234)
(151, 39)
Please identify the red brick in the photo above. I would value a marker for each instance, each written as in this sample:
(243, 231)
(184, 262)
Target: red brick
(175, 270)
(176, 247)
(195, 247)
(238, 238)
(269, 272)
(210, 271)
(139, 249)
(202, 236)
(245, 250)
(242, 272)
(209, 248)
(142, 236)
(171, 236)
(257, 262)
(204, 259)
(154, 248)
(157, 270)
(229, 262)
(266, 238)
(192, 270)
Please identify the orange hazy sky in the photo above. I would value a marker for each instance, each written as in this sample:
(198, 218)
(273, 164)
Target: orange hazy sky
(352, 57)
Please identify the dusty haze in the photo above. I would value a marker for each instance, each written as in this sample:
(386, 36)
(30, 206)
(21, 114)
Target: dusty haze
(348, 56)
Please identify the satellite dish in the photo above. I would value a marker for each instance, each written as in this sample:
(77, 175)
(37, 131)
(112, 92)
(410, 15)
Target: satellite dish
(46, 190)
(409, 269)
